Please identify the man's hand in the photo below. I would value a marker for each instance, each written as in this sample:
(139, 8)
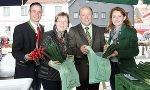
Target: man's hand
(83, 49)
(28, 57)
(106, 46)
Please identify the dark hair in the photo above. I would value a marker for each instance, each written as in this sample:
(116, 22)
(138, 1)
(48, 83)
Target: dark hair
(35, 3)
(122, 11)
(62, 14)
(87, 8)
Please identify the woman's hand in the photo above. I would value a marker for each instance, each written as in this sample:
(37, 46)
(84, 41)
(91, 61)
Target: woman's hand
(53, 62)
(114, 54)
(56, 62)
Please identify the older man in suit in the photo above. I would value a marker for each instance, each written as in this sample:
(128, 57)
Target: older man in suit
(80, 36)
(25, 41)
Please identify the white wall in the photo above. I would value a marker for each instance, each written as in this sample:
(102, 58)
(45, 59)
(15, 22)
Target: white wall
(15, 17)
(48, 19)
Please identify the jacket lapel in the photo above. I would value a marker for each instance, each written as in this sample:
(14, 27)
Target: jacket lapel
(93, 34)
(42, 29)
(82, 33)
(123, 32)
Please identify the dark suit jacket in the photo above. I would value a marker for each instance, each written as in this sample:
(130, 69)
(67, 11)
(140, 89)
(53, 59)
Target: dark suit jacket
(24, 41)
(127, 47)
(77, 38)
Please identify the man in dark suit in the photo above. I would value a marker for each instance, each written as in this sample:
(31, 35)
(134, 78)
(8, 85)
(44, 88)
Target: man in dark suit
(24, 42)
(79, 38)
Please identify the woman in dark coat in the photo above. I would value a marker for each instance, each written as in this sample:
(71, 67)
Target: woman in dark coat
(124, 36)
(49, 76)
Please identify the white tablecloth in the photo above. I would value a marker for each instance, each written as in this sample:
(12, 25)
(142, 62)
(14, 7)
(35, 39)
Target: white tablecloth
(7, 66)
(16, 84)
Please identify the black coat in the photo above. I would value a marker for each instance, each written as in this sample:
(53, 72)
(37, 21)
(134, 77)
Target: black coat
(45, 71)
(24, 41)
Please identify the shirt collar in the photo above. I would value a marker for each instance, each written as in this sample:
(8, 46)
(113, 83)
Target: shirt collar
(90, 26)
(34, 25)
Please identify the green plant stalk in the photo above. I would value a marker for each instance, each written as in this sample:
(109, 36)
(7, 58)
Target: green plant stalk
(109, 50)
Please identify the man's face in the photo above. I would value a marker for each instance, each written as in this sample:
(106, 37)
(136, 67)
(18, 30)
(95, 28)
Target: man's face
(86, 16)
(35, 13)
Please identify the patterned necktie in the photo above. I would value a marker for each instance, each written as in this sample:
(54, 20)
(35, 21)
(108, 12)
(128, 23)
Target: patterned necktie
(88, 36)
(38, 36)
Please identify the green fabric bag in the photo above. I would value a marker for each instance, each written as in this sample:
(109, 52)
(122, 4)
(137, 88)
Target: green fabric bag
(99, 68)
(68, 73)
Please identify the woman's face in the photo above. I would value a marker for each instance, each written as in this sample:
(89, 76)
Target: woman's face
(117, 18)
(62, 23)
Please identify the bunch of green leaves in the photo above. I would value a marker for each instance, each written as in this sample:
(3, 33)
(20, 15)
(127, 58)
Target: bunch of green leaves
(141, 72)
(52, 51)
(110, 49)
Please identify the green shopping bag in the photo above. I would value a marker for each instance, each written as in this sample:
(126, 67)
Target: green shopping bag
(68, 73)
(99, 68)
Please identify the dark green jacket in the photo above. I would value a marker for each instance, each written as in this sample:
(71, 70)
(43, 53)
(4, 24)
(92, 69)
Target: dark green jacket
(127, 47)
